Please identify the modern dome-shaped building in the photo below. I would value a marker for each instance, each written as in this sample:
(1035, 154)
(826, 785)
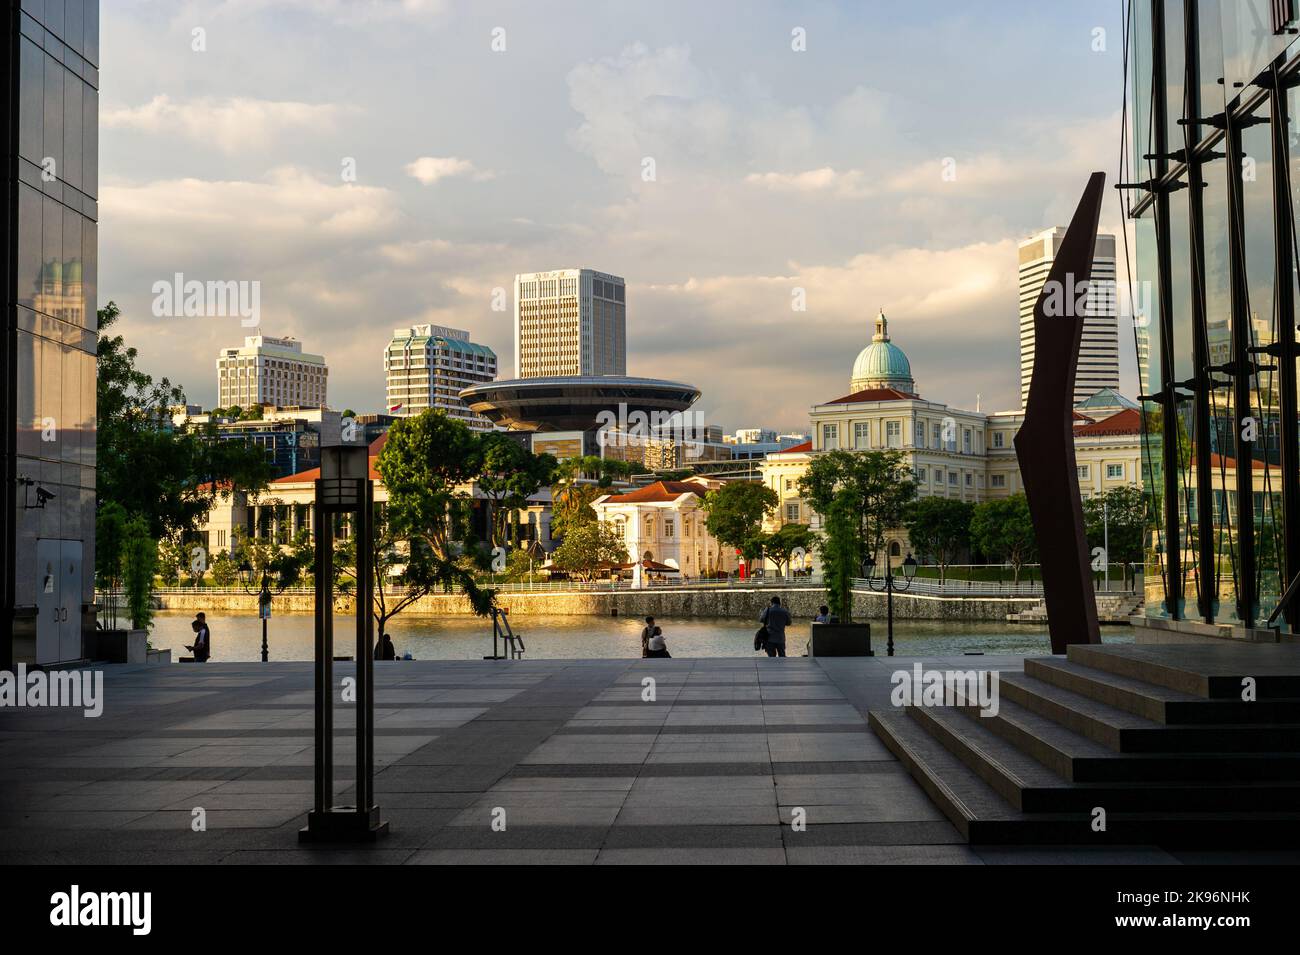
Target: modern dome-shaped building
(882, 364)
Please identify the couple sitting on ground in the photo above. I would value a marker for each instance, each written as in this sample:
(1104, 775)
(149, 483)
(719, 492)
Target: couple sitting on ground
(652, 640)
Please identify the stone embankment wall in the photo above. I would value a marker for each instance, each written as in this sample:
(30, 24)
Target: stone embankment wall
(733, 602)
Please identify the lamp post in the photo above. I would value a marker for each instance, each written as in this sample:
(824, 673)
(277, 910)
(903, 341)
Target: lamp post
(248, 579)
(888, 584)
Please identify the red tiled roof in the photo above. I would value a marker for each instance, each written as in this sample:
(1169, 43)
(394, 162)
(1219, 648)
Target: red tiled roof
(873, 394)
(1230, 463)
(1128, 421)
(313, 474)
(795, 449)
(658, 492)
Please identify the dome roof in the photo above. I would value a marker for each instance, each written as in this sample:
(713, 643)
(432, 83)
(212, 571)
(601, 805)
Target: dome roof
(882, 364)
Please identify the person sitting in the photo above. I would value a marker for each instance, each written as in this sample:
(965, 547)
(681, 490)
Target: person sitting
(646, 633)
(823, 614)
(656, 647)
(384, 649)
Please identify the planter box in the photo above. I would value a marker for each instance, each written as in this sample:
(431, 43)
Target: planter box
(118, 646)
(158, 656)
(840, 640)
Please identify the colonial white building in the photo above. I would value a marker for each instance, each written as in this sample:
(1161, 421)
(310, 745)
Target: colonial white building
(967, 455)
(271, 371)
(664, 522)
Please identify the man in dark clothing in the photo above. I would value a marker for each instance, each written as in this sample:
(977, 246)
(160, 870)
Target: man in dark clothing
(202, 638)
(776, 618)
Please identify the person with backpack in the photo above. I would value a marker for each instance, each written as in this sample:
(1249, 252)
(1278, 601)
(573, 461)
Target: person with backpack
(647, 632)
(656, 647)
(775, 619)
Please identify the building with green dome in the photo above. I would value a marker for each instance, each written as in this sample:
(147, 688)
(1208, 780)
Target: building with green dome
(882, 364)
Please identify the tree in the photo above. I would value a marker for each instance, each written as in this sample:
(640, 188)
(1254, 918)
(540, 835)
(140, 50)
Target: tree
(110, 544)
(1125, 512)
(420, 540)
(510, 474)
(576, 483)
(734, 515)
(173, 560)
(879, 482)
(781, 546)
(1003, 530)
(940, 528)
(841, 552)
(170, 478)
(139, 560)
(224, 570)
(589, 547)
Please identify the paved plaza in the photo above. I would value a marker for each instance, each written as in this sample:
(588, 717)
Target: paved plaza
(566, 753)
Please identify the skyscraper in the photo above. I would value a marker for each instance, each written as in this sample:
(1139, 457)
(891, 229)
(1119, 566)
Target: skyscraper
(49, 91)
(426, 366)
(570, 322)
(274, 371)
(1099, 351)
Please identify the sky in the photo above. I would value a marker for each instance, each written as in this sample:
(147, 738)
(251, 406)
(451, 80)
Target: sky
(374, 164)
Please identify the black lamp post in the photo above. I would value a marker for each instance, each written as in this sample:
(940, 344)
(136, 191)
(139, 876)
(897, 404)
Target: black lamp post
(888, 584)
(283, 572)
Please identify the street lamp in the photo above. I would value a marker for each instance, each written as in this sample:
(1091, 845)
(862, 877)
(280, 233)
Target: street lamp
(888, 584)
(284, 572)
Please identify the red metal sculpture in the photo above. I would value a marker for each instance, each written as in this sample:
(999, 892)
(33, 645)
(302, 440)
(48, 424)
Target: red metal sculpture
(1045, 442)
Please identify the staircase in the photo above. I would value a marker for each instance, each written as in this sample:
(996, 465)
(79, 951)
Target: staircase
(1156, 736)
(1111, 608)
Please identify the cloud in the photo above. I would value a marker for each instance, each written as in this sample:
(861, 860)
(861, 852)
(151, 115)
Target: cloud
(849, 184)
(430, 169)
(350, 12)
(230, 125)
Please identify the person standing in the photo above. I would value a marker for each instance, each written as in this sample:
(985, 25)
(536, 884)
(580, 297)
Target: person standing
(776, 618)
(202, 638)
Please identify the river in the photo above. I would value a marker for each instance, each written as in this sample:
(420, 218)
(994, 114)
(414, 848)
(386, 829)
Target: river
(238, 637)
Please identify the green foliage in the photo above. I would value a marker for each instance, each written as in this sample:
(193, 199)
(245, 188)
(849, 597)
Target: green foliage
(509, 475)
(169, 478)
(139, 563)
(939, 527)
(879, 482)
(588, 548)
(841, 552)
(1125, 508)
(734, 515)
(224, 571)
(780, 546)
(1002, 530)
(173, 560)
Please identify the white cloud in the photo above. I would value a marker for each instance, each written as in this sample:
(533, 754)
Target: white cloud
(430, 169)
(849, 184)
(230, 125)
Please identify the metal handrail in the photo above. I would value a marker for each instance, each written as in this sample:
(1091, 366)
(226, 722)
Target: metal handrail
(1292, 589)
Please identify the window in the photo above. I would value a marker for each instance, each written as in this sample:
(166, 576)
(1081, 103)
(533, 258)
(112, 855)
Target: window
(918, 434)
(998, 438)
(1115, 472)
(952, 478)
(789, 484)
(862, 434)
(893, 434)
(920, 475)
(970, 479)
(668, 527)
(830, 436)
(938, 437)
(965, 441)
(792, 512)
(1083, 472)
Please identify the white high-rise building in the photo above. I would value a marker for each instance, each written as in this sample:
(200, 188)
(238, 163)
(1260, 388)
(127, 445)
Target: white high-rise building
(426, 366)
(570, 322)
(1099, 351)
(271, 371)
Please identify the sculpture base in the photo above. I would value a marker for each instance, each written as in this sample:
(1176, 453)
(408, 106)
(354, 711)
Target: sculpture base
(343, 824)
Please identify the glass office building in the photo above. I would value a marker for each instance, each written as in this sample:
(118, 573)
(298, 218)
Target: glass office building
(1212, 183)
(50, 85)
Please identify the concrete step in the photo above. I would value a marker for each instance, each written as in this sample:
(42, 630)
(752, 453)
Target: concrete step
(1077, 758)
(1030, 786)
(1126, 732)
(1211, 671)
(984, 818)
(1155, 702)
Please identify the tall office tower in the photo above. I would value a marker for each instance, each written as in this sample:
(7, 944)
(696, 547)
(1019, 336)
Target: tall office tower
(426, 366)
(271, 371)
(571, 322)
(49, 100)
(1099, 351)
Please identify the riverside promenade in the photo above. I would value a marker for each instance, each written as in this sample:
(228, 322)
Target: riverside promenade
(579, 767)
